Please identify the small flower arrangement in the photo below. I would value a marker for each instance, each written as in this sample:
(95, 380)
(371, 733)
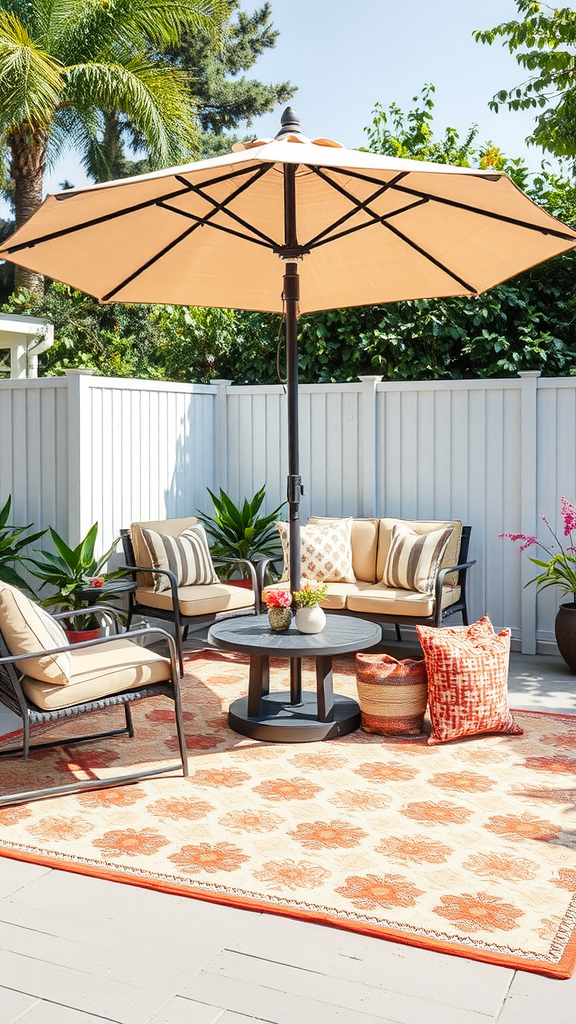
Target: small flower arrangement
(310, 594)
(560, 568)
(278, 599)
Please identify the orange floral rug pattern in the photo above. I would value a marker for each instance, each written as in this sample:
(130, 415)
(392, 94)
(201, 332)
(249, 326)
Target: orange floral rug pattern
(467, 848)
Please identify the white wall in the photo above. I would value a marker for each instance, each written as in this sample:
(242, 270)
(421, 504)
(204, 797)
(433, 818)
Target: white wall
(493, 453)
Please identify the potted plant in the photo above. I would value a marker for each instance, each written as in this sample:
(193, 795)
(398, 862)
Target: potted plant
(73, 571)
(558, 570)
(279, 604)
(310, 617)
(11, 543)
(240, 532)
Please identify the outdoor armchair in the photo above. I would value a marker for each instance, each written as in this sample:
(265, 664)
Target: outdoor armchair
(103, 673)
(194, 607)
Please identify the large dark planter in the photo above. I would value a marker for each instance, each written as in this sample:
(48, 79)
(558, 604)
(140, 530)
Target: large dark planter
(565, 628)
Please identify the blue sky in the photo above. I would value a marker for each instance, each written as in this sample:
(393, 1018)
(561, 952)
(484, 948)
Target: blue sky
(345, 55)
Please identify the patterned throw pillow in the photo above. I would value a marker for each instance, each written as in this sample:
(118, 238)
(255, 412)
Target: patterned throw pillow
(326, 552)
(187, 555)
(414, 558)
(467, 670)
(26, 627)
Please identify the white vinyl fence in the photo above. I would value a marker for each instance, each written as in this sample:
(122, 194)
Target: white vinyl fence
(494, 453)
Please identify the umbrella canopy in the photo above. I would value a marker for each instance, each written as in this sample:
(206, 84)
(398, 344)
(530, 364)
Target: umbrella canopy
(368, 228)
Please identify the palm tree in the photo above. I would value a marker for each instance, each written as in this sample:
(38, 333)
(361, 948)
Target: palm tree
(66, 66)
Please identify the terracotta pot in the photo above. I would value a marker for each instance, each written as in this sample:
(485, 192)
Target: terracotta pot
(310, 620)
(279, 619)
(76, 636)
(245, 584)
(565, 629)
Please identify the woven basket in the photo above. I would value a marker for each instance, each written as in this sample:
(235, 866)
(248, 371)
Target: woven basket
(392, 694)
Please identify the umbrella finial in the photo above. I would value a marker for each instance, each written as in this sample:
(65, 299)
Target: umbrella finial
(290, 122)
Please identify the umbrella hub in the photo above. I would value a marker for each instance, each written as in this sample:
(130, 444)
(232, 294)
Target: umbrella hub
(289, 123)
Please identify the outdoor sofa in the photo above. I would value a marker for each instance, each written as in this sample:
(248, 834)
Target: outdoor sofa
(369, 598)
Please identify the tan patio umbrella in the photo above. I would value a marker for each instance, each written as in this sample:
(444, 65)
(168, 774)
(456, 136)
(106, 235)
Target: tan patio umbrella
(231, 232)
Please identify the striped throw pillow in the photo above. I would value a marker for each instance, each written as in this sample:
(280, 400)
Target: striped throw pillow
(188, 556)
(414, 558)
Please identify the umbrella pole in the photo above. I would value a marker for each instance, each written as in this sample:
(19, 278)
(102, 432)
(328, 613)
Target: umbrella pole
(291, 296)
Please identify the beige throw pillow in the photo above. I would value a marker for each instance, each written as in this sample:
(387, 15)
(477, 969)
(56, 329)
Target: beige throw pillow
(326, 552)
(414, 558)
(188, 556)
(26, 627)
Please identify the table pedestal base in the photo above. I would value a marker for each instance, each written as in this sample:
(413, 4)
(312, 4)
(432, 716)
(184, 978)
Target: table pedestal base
(282, 722)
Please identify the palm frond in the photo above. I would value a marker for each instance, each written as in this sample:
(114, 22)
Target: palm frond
(31, 80)
(152, 94)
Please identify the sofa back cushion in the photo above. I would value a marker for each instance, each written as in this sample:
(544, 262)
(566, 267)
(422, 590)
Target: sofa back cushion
(364, 537)
(450, 556)
(325, 551)
(26, 627)
(414, 558)
(171, 527)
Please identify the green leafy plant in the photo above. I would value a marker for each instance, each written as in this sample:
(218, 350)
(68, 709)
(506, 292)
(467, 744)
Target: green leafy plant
(74, 570)
(12, 542)
(310, 594)
(239, 531)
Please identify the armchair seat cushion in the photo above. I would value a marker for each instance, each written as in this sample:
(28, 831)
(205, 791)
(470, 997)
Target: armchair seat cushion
(99, 672)
(382, 600)
(200, 599)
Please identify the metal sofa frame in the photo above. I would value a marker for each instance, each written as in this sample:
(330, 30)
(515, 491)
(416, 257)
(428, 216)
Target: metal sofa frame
(12, 695)
(438, 615)
(182, 623)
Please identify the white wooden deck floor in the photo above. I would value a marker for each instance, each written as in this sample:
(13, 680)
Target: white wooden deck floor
(79, 950)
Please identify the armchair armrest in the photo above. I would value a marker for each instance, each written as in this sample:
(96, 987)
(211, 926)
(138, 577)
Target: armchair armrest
(243, 562)
(261, 568)
(146, 630)
(173, 586)
(103, 610)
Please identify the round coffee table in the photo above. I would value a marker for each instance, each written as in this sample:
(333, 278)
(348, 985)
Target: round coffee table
(293, 716)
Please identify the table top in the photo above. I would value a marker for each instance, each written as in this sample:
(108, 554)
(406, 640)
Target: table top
(124, 585)
(253, 635)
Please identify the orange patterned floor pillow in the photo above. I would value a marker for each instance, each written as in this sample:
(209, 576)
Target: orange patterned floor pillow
(467, 680)
(392, 694)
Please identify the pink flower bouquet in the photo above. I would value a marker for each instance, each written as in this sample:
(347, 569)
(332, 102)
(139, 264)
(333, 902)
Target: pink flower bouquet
(278, 599)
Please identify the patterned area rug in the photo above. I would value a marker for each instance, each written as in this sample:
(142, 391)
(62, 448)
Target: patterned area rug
(467, 848)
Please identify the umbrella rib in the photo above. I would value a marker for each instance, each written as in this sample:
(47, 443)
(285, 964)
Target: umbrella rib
(221, 207)
(357, 204)
(366, 224)
(486, 213)
(430, 258)
(219, 227)
(92, 223)
(180, 238)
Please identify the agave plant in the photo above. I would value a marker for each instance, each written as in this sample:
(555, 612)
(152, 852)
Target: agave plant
(12, 541)
(73, 570)
(238, 531)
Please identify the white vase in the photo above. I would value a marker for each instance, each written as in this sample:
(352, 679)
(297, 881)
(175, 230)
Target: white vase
(310, 620)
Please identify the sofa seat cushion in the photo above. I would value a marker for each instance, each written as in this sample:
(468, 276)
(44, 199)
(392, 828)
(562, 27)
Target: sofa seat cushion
(337, 596)
(382, 600)
(201, 599)
(98, 672)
